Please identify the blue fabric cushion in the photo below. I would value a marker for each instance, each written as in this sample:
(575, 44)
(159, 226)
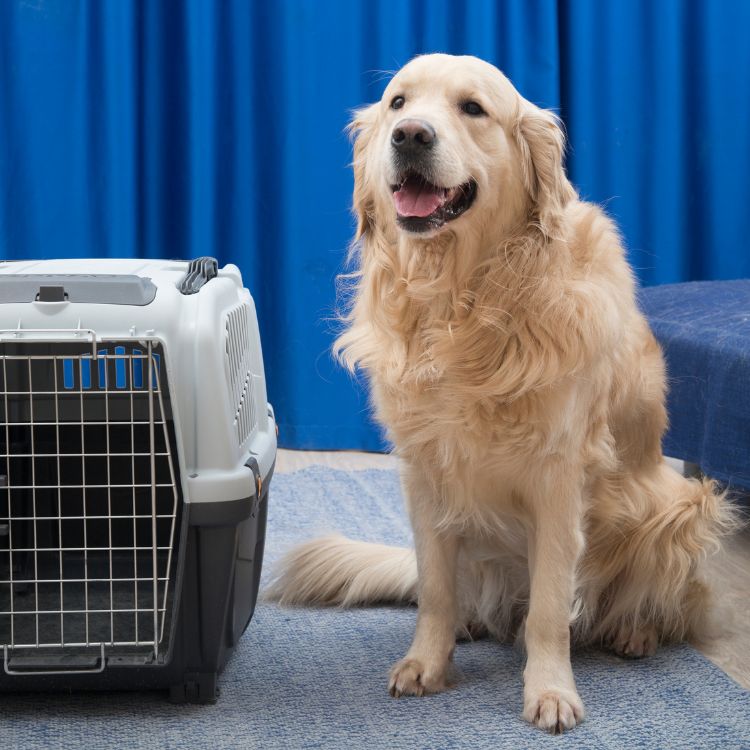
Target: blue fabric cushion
(704, 330)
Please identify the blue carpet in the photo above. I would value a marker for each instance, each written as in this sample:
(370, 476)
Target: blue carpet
(317, 678)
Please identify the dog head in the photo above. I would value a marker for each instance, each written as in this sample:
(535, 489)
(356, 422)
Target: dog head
(451, 142)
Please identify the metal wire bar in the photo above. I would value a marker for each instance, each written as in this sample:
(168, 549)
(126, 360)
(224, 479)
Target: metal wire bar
(59, 496)
(33, 505)
(113, 517)
(38, 612)
(10, 525)
(114, 579)
(109, 513)
(87, 486)
(80, 644)
(135, 525)
(91, 454)
(120, 391)
(126, 548)
(83, 357)
(58, 517)
(85, 536)
(76, 423)
(175, 500)
(154, 562)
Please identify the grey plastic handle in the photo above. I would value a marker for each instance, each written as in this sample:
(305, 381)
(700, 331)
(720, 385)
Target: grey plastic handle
(102, 663)
(199, 273)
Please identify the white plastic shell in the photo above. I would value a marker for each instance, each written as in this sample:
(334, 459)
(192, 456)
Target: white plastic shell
(212, 355)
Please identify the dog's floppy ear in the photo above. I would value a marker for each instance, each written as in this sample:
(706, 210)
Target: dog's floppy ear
(360, 130)
(542, 143)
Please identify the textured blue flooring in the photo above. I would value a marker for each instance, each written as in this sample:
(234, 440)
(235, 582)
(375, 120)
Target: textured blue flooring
(317, 678)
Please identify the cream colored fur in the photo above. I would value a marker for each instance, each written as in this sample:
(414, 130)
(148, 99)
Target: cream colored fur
(524, 392)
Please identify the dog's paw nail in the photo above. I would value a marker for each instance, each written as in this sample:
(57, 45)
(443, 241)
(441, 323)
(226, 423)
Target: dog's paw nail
(554, 711)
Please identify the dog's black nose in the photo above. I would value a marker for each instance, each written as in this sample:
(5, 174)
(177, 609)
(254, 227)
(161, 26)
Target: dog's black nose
(413, 136)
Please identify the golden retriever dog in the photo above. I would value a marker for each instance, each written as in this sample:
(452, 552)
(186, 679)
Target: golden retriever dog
(495, 316)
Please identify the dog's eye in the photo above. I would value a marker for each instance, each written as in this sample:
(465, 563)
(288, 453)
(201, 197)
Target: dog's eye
(397, 102)
(472, 108)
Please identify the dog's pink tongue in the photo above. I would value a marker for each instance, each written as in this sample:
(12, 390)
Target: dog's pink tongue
(417, 199)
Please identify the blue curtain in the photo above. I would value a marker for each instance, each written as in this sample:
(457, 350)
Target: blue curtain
(178, 129)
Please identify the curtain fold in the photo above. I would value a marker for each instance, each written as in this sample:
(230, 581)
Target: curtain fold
(190, 128)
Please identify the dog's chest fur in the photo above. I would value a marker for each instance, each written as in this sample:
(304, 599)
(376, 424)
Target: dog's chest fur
(481, 373)
(442, 394)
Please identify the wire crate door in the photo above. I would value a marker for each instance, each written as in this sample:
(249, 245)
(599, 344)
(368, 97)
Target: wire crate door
(89, 502)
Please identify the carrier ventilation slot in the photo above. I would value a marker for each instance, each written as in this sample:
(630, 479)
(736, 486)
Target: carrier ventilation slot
(239, 368)
(83, 367)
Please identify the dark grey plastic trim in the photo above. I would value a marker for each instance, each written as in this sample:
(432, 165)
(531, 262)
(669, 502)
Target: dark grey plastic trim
(222, 513)
(199, 273)
(230, 512)
(100, 288)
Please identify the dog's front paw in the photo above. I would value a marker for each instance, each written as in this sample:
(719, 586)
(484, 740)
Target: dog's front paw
(554, 711)
(414, 677)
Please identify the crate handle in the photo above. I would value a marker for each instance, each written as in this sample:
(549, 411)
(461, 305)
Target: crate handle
(101, 664)
(199, 272)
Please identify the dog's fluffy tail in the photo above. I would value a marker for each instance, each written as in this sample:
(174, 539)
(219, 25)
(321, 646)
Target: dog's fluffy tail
(337, 570)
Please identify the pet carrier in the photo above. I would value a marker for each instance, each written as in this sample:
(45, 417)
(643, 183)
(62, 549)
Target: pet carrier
(136, 452)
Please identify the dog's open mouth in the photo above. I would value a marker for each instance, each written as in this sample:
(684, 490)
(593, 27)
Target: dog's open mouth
(422, 206)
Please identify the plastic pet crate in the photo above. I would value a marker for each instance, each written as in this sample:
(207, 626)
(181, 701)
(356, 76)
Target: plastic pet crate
(136, 452)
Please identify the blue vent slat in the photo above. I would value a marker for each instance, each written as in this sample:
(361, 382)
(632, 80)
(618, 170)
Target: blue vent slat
(120, 376)
(86, 373)
(137, 369)
(156, 370)
(68, 374)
